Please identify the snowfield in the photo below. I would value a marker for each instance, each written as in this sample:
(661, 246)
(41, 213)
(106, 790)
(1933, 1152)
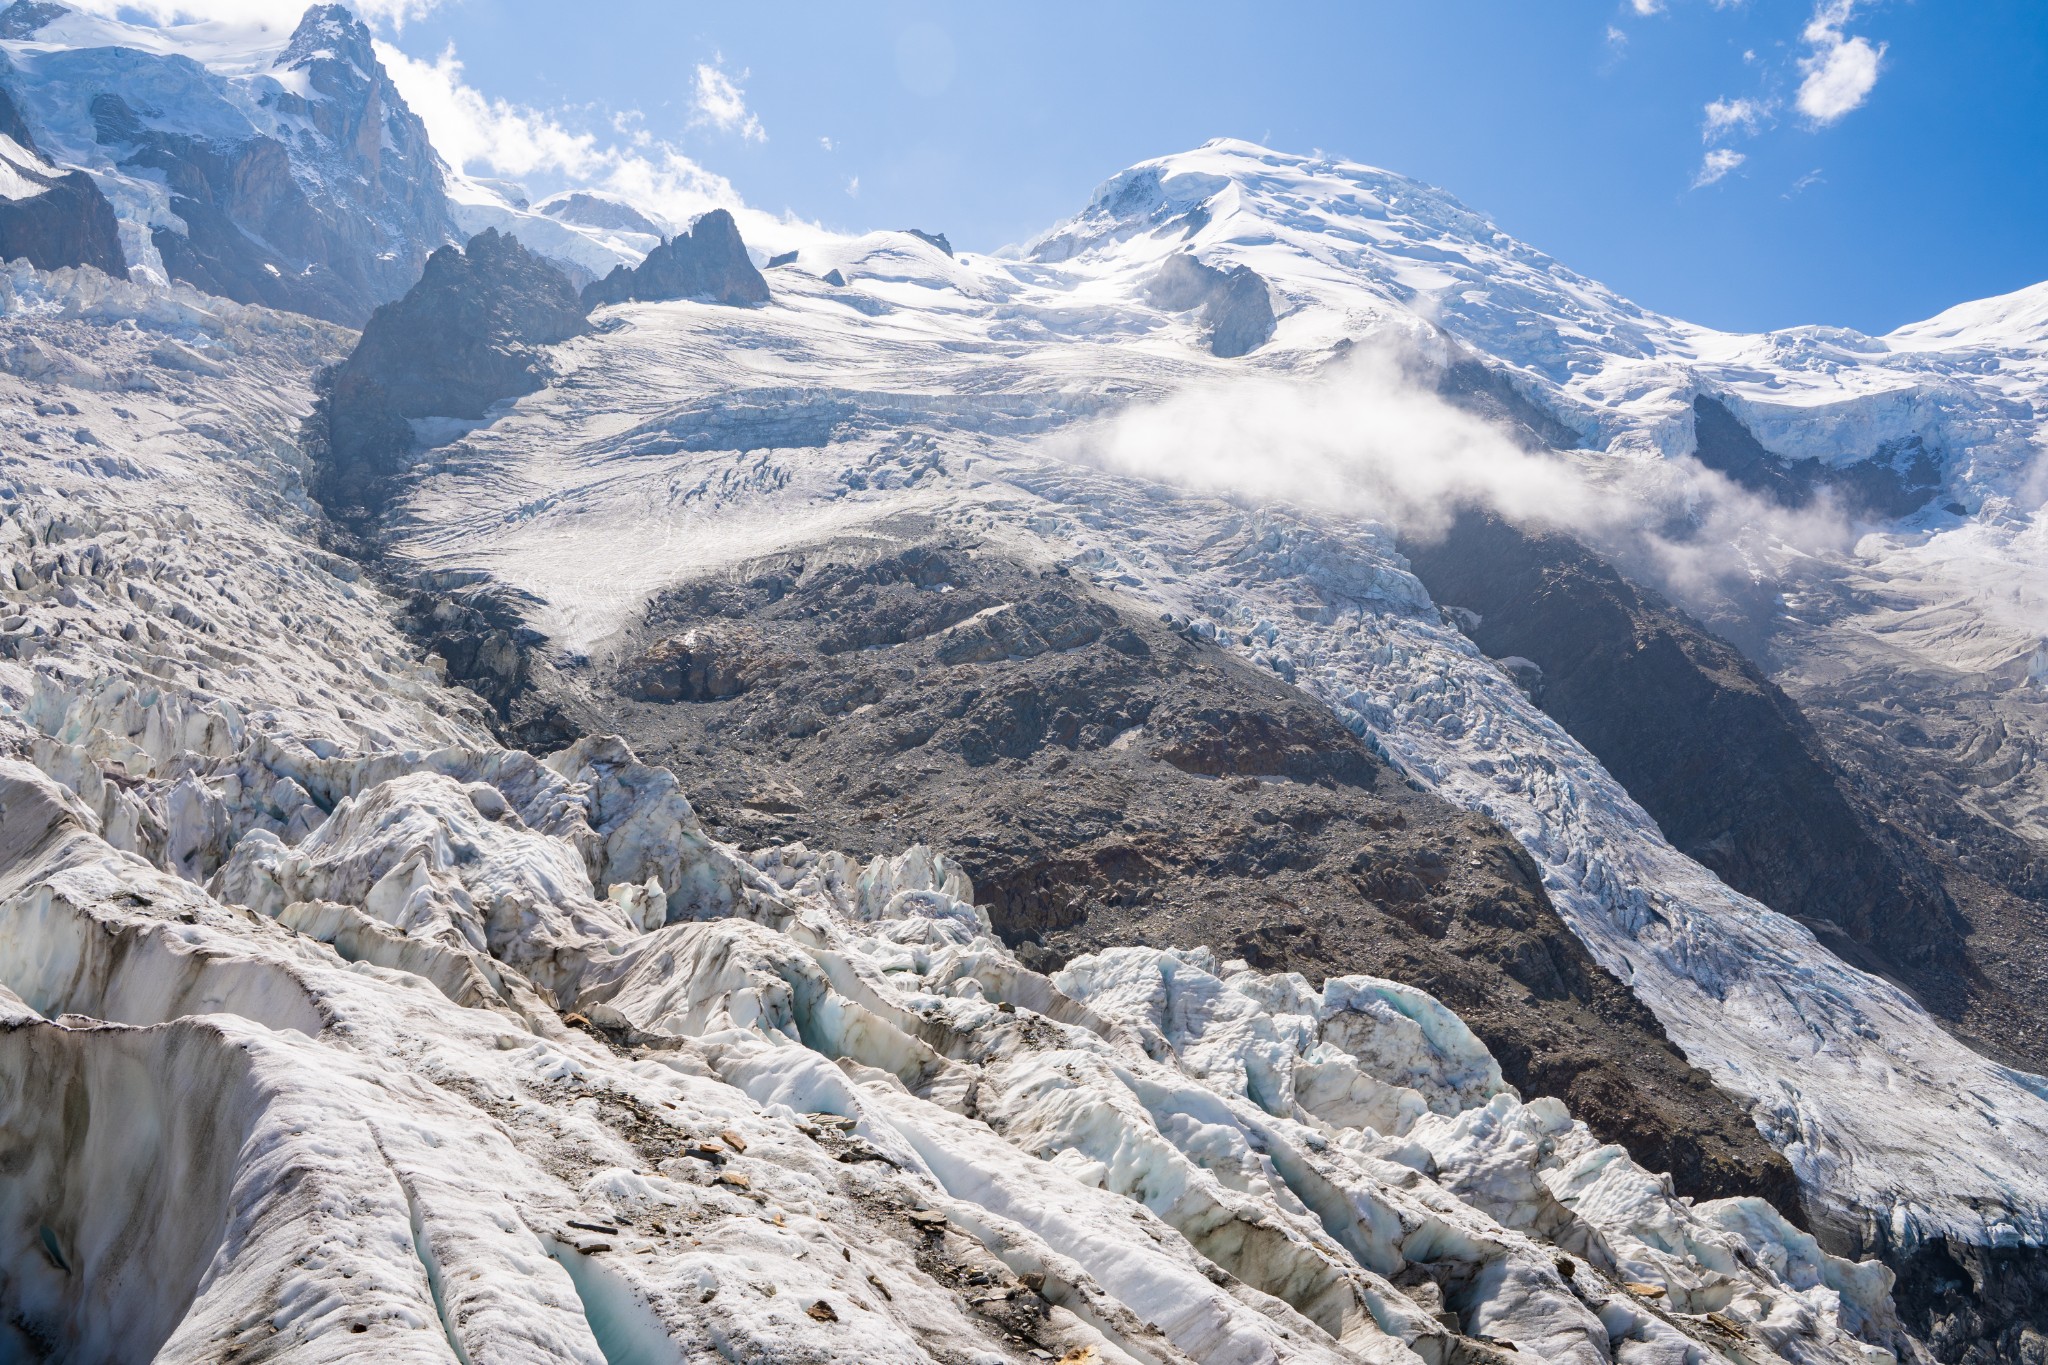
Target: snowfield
(424, 1049)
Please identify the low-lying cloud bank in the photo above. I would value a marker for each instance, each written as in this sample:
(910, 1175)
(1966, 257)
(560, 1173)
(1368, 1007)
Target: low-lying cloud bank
(1372, 437)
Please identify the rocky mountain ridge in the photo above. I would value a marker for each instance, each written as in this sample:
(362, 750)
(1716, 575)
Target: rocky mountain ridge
(297, 177)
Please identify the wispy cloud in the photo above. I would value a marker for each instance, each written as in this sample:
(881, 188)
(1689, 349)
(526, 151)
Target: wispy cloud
(853, 187)
(1841, 69)
(1725, 117)
(1373, 438)
(1804, 183)
(1646, 7)
(1716, 165)
(723, 105)
(481, 135)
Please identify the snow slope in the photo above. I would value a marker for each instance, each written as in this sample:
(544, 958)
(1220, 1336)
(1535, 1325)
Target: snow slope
(332, 1030)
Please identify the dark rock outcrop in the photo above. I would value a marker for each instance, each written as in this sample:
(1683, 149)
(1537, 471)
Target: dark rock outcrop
(1974, 1305)
(69, 222)
(1728, 764)
(698, 665)
(332, 222)
(708, 262)
(937, 239)
(478, 631)
(468, 335)
(1107, 780)
(25, 18)
(1470, 383)
(1898, 479)
(1236, 306)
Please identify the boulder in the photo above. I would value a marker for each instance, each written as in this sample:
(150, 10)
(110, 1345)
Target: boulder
(697, 665)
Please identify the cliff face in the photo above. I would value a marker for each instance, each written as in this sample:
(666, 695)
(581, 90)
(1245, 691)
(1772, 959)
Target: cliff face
(49, 217)
(1895, 481)
(1737, 776)
(468, 335)
(1233, 306)
(708, 262)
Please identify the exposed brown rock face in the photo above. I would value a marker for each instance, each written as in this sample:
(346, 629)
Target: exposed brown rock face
(1107, 781)
(708, 262)
(699, 665)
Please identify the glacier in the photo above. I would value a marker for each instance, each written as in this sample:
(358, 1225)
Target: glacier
(412, 1045)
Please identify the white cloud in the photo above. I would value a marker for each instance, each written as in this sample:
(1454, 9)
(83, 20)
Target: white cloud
(1725, 116)
(853, 187)
(281, 16)
(1373, 438)
(1716, 164)
(1615, 37)
(480, 135)
(1804, 183)
(826, 143)
(1647, 7)
(721, 103)
(470, 129)
(1841, 70)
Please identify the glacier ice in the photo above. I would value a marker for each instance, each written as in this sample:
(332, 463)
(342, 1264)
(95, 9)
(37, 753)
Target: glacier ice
(413, 1046)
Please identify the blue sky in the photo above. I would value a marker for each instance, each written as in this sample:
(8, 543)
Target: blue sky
(1878, 160)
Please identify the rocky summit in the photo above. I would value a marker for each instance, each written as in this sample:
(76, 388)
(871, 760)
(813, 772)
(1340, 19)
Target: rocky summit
(559, 803)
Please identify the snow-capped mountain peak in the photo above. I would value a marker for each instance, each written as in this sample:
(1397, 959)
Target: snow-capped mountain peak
(265, 165)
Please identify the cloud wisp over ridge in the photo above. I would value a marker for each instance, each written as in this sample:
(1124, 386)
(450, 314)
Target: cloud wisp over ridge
(481, 134)
(1372, 438)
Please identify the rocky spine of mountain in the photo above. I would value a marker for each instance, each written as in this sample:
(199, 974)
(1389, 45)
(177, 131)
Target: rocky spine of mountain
(1727, 763)
(470, 334)
(1235, 306)
(64, 220)
(708, 262)
(1720, 756)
